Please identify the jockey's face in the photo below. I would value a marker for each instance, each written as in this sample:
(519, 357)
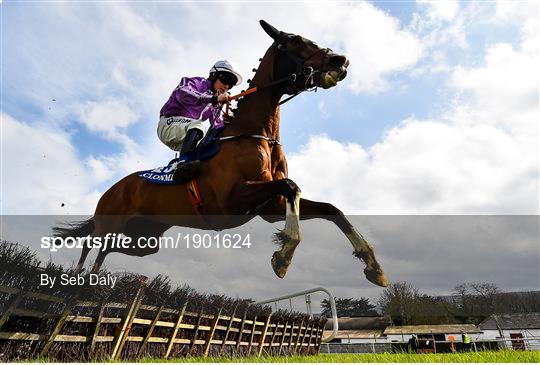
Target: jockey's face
(220, 86)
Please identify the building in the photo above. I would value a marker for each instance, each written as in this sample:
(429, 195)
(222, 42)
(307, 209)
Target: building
(358, 335)
(433, 338)
(358, 329)
(517, 330)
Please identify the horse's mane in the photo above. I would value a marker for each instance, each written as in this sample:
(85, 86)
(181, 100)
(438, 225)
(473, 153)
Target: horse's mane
(269, 53)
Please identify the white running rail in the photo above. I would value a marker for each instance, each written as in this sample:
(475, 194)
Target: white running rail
(306, 294)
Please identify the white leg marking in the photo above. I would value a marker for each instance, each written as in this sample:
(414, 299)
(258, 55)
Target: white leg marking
(358, 241)
(292, 219)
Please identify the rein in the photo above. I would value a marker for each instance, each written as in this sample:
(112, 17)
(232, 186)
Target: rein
(252, 90)
(271, 141)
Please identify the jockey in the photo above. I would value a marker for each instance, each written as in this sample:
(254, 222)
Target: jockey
(195, 100)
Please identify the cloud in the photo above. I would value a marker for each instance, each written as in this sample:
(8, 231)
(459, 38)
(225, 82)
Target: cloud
(135, 27)
(421, 167)
(442, 27)
(135, 82)
(110, 117)
(508, 10)
(110, 67)
(524, 13)
(442, 10)
(154, 56)
(377, 45)
(41, 171)
(478, 156)
(505, 89)
(99, 168)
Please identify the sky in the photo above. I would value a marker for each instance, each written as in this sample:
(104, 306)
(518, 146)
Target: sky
(439, 115)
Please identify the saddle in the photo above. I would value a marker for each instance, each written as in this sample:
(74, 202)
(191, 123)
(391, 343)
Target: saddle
(205, 150)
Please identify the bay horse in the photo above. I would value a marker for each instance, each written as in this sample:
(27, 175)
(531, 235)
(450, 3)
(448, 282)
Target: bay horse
(246, 178)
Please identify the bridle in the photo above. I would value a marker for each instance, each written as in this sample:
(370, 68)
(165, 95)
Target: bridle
(301, 70)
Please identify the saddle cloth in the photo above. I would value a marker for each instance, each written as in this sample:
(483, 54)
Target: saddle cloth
(205, 150)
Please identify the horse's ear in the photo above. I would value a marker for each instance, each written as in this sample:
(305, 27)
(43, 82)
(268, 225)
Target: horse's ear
(270, 30)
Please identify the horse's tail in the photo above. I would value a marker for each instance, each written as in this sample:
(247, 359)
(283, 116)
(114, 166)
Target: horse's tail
(75, 229)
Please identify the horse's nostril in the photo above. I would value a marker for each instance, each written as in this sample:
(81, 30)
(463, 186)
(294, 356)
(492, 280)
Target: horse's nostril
(342, 75)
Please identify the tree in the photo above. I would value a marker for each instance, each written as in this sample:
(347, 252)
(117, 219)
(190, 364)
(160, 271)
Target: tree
(476, 301)
(433, 310)
(518, 302)
(400, 301)
(349, 307)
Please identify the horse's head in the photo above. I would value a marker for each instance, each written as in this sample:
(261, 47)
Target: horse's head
(312, 65)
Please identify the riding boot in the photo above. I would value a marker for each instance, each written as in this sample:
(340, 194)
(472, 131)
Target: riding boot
(186, 171)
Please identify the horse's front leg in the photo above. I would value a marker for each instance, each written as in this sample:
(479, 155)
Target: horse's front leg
(250, 196)
(310, 210)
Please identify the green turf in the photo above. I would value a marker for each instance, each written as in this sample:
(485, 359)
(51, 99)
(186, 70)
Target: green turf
(485, 356)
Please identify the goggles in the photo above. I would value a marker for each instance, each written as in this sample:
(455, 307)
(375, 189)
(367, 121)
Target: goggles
(228, 79)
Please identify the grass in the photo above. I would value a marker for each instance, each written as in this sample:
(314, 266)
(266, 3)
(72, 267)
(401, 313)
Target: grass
(485, 356)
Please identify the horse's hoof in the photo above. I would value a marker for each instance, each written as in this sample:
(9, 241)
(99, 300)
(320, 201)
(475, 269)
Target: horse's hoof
(279, 265)
(377, 277)
(373, 271)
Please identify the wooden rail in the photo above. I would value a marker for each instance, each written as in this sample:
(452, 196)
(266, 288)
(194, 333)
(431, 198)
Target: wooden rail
(165, 333)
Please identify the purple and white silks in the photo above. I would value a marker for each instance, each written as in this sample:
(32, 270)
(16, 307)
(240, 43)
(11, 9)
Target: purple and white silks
(192, 98)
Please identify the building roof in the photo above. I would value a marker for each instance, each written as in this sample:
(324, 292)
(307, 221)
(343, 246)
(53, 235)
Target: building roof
(511, 321)
(360, 323)
(432, 329)
(355, 334)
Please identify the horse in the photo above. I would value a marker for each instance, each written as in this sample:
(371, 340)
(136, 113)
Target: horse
(246, 178)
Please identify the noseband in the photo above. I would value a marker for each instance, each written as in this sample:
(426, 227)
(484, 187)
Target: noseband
(301, 70)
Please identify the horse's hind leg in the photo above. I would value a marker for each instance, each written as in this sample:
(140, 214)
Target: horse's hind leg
(99, 261)
(82, 259)
(106, 225)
